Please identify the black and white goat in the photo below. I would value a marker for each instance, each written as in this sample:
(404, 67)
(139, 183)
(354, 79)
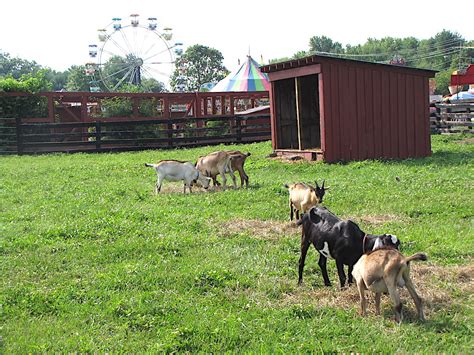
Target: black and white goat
(336, 239)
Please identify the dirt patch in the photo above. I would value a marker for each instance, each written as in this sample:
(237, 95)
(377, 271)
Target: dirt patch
(167, 188)
(288, 159)
(439, 286)
(469, 140)
(268, 230)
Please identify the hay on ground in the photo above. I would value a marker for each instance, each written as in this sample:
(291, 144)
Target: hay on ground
(268, 230)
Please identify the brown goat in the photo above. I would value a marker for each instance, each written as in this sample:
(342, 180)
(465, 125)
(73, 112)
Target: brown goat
(237, 161)
(216, 163)
(381, 271)
(304, 196)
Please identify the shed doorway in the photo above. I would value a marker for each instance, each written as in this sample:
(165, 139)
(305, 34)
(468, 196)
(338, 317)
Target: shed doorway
(297, 113)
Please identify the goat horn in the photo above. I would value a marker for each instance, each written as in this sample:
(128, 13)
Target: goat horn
(323, 183)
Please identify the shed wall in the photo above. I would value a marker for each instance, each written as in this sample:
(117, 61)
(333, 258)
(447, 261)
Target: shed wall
(373, 112)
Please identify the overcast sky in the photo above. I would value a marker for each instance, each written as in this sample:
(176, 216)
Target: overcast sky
(57, 33)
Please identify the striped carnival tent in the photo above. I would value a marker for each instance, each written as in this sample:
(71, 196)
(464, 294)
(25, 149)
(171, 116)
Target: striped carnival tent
(247, 77)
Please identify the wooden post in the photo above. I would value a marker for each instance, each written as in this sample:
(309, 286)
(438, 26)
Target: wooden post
(213, 105)
(232, 103)
(238, 123)
(84, 113)
(50, 108)
(19, 136)
(298, 104)
(135, 104)
(169, 127)
(98, 135)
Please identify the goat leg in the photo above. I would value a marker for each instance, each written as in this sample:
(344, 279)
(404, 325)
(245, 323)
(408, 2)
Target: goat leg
(351, 267)
(304, 251)
(395, 296)
(363, 300)
(246, 179)
(411, 289)
(232, 175)
(377, 303)
(324, 271)
(158, 185)
(340, 272)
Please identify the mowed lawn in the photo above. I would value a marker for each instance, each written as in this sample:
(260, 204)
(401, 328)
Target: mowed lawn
(92, 261)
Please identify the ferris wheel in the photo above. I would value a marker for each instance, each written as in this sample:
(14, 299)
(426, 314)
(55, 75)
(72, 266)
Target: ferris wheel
(130, 53)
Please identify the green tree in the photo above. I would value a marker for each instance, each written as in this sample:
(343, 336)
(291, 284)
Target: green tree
(324, 44)
(152, 85)
(197, 66)
(77, 80)
(24, 106)
(16, 67)
(443, 79)
(57, 79)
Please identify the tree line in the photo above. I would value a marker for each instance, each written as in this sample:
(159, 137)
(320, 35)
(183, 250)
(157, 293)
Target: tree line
(446, 51)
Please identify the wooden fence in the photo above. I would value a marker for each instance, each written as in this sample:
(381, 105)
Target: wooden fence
(20, 137)
(454, 117)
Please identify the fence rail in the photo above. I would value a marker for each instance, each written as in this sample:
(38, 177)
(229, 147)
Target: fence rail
(19, 137)
(453, 117)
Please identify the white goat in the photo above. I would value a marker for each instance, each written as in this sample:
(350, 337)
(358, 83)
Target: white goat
(174, 170)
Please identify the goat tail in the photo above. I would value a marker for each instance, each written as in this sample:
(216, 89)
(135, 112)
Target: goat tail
(417, 256)
(248, 154)
(286, 186)
(150, 165)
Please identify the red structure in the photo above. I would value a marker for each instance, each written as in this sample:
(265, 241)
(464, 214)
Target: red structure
(89, 107)
(463, 78)
(338, 109)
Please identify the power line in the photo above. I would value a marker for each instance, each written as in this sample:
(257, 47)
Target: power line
(448, 44)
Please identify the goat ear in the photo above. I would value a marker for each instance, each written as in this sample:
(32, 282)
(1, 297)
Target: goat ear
(378, 243)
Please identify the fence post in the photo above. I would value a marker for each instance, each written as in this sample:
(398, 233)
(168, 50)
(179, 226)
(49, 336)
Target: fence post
(98, 135)
(238, 122)
(170, 133)
(19, 136)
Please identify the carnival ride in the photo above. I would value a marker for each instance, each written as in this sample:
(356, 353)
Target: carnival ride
(129, 53)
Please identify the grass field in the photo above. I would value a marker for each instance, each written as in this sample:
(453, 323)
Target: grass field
(92, 261)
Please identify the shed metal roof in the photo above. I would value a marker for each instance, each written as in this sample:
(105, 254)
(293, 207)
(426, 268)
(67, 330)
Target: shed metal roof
(318, 59)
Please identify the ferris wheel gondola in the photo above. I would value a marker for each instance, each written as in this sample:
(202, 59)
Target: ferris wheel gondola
(129, 53)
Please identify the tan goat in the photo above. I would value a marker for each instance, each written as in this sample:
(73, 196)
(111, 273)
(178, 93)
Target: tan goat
(237, 161)
(303, 197)
(216, 163)
(381, 271)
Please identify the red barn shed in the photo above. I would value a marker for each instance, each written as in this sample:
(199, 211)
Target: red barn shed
(339, 109)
